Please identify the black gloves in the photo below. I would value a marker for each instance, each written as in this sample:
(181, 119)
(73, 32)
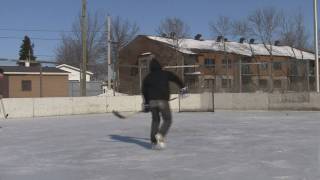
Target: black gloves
(183, 91)
(145, 107)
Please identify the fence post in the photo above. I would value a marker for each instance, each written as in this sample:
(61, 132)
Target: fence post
(179, 102)
(307, 75)
(140, 76)
(240, 76)
(270, 69)
(288, 75)
(212, 94)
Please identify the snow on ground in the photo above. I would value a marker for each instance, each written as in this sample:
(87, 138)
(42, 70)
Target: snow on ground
(112, 93)
(201, 146)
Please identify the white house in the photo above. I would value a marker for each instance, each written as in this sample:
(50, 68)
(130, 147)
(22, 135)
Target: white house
(74, 73)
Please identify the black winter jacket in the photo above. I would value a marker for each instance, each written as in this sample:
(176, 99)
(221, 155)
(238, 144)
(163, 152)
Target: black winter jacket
(156, 84)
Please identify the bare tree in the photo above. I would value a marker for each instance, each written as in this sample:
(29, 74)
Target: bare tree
(177, 30)
(122, 32)
(70, 49)
(293, 32)
(173, 26)
(241, 28)
(221, 27)
(301, 32)
(265, 23)
(288, 35)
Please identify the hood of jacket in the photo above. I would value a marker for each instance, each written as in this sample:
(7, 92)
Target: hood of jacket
(154, 65)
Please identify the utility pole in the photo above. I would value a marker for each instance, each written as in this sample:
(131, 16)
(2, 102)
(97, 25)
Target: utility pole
(84, 48)
(315, 10)
(109, 51)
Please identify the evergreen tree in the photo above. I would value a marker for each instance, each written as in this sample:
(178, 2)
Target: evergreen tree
(26, 50)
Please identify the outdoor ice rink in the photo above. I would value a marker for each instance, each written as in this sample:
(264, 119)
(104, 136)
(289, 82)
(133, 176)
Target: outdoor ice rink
(225, 145)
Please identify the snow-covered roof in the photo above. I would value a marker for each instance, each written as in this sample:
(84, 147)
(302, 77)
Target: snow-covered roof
(188, 46)
(73, 68)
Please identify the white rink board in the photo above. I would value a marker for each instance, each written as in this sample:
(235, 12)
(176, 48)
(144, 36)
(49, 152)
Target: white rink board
(35, 107)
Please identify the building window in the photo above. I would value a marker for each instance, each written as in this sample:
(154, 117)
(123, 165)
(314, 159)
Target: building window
(191, 83)
(209, 83)
(209, 62)
(225, 83)
(311, 67)
(26, 85)
(133, 71)
(245, 68)
(263, 66)
(263, 83)
(277, 83)
(293, 70)
(225, 62)
(277, 65)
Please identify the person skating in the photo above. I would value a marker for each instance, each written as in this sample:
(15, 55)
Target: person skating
(156, 93)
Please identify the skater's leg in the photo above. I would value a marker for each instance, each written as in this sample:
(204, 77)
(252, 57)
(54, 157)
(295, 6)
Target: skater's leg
(167, 118)
(155, 124)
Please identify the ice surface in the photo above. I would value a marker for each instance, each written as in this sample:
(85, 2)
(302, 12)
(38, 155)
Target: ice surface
(202, 146)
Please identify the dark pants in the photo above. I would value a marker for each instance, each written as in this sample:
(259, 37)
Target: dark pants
(160, 107)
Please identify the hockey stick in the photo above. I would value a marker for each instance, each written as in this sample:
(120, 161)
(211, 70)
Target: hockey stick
(5, 115)
(122, 116)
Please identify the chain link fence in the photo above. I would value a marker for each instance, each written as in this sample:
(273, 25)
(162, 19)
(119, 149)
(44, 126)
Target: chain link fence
(231, 76)
(93, 88)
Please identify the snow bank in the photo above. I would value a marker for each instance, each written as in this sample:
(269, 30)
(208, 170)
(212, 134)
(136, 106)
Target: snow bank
(112, 93)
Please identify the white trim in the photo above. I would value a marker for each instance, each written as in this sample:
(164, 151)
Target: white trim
(225, 77)
(146, 54)
(183, 66)
(193, 73)
(73, 68)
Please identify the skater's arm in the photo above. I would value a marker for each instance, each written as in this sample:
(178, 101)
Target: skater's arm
(174, 78)
(145, 91)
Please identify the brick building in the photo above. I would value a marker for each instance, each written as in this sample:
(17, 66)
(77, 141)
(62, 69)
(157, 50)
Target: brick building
(21, 81)
(210, 62)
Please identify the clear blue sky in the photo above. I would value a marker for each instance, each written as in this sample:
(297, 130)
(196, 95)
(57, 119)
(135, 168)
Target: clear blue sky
(60, 14)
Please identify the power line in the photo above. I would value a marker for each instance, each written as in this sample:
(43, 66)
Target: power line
(33, 38)
(44, 55)
(37, 55)
(6, 59)
(15, 60)
(41, 30)
(33, 30)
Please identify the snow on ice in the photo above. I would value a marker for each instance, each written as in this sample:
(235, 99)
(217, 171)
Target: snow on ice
(203, 146)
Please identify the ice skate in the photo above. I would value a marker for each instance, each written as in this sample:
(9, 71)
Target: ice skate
(160, 141)
(155, 146)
